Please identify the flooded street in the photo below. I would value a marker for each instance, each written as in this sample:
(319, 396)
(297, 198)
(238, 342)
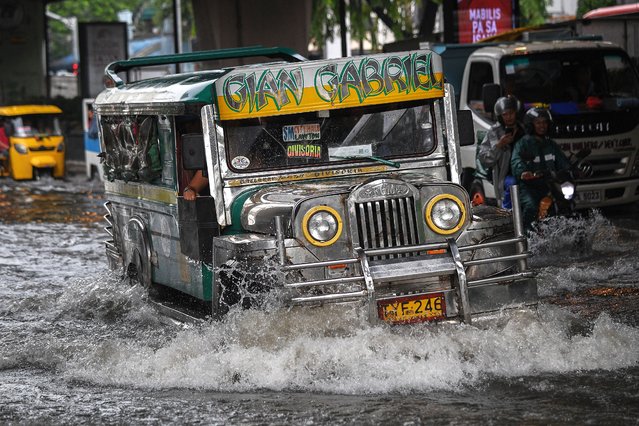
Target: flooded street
(79, 345)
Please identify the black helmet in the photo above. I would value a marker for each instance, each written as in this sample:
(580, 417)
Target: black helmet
(534, 113)
(503, 104)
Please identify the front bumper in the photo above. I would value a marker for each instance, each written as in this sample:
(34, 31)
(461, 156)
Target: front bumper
(463, 298)
(609, 193)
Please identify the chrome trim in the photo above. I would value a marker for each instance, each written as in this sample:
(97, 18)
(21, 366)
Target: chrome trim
(462, 282)
(497, 259)
(502, 278)
(384, 213)
(330, 297)
(370, 286)
(329, 281)
(518, 227)
(212, 137)
(452, 134)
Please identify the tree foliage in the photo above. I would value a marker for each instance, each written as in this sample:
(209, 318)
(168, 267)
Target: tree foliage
(584, 6)
(107, 11)
(398, 15)
(533, 12)
(364, 16)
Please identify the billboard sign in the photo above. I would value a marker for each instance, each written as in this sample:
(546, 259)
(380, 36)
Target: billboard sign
(478, 19)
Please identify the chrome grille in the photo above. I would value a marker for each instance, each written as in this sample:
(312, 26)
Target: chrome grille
(610, 166)
(386, 223)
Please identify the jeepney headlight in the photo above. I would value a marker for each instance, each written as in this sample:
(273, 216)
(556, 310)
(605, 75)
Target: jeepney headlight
(322, 225)
(22, 149)
(60, 147)
(445, 214)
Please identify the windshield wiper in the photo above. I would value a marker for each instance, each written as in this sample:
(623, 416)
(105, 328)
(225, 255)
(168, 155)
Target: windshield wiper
(369, 157)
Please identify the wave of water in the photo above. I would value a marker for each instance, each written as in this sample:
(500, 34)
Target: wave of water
(65, 312)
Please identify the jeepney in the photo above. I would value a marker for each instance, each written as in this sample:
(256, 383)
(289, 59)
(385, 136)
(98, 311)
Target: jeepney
(34, 141)
(330, 181)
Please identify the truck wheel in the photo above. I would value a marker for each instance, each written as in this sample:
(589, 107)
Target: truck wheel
(477, 196)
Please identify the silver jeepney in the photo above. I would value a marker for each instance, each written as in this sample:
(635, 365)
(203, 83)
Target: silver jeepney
(394, 232)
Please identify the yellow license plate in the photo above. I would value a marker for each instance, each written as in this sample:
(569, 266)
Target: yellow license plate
(411, 309)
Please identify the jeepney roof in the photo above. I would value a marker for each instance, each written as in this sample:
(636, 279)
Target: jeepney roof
(541, 46)
(288, 88)
(149, 94)
(15, 110)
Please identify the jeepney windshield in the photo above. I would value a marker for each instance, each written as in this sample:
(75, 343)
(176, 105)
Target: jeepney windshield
(371, 133)
(35, 125)
(581, 80)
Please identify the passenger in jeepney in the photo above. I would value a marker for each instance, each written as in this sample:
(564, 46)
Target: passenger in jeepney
(535, 152)
(199, 182)
(496, 147)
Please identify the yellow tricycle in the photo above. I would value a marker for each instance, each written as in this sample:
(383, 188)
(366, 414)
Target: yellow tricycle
(31, 142)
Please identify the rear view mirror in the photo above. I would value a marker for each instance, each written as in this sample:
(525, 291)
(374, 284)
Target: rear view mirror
(465, 128)
(193, 157)
(490, 92)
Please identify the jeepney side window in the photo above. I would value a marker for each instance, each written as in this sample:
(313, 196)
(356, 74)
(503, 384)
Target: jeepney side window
(480, 73)
(187, 125)
(132, 148)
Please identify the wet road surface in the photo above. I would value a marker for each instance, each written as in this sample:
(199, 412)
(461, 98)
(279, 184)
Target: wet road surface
(79, 345)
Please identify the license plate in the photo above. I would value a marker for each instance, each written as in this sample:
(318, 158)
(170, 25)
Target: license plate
(588, 196)
(411, 309)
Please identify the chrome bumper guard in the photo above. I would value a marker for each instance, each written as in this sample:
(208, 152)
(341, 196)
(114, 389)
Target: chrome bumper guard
(416, 267)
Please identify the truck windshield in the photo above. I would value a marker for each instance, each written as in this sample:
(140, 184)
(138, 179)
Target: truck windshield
(36, 125)
(574, 80)
(325, 137)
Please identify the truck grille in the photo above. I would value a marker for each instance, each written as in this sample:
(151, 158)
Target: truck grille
(386, 223)
(612, 166)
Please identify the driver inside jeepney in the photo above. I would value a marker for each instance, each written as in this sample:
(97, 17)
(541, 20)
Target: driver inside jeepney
(374, 133)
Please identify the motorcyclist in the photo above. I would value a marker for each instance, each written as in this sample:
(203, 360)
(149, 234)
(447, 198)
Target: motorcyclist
(496, 147)
(536, 152)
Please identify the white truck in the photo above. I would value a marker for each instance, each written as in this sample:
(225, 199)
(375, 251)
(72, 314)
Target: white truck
(604, 117)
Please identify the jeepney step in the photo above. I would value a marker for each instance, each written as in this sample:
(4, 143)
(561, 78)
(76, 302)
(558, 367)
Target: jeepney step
(411, 269)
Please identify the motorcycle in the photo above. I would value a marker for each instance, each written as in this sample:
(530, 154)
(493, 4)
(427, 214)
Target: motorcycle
(561, 186)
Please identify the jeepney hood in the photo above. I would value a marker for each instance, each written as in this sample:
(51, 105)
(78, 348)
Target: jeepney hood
(263, 206)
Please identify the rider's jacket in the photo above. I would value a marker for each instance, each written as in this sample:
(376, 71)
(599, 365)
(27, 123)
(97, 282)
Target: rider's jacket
(535, 154)
(498, 159)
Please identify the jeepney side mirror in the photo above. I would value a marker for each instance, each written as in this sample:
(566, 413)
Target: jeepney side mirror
(490, 92)
(465, 127)
(193, 156)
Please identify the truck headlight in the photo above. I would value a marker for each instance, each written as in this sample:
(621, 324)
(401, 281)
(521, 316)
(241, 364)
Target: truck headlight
(445, 214)
(322, 225)
(21, 149)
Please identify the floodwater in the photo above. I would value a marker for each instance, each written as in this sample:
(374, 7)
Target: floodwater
(78, 345)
